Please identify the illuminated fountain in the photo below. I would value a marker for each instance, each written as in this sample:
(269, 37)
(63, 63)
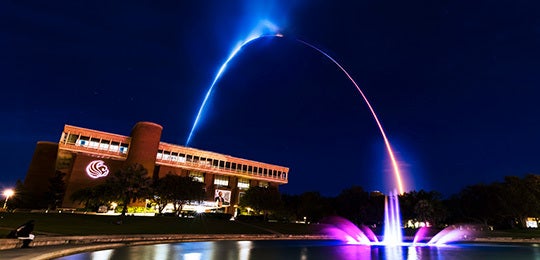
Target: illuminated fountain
(344, 230)
(392, 221)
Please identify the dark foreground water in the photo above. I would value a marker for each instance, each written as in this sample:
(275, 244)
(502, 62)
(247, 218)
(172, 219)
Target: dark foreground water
(311, 249)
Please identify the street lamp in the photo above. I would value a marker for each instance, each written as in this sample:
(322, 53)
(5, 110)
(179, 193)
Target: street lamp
(8, 193)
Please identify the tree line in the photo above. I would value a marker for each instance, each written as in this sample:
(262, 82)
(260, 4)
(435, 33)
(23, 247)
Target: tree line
(504, 204)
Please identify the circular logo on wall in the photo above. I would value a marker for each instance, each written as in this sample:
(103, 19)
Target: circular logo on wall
(97, 169)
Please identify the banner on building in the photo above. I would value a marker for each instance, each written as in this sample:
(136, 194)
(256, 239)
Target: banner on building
(222, 198)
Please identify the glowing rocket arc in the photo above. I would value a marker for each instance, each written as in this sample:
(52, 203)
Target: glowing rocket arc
(218, 75)
(239, 47)
(381, 129)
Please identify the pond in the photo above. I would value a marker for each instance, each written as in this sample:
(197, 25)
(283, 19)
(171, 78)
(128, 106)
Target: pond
(311, 249)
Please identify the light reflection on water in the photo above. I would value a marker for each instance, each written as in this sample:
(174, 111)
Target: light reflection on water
(309, 249)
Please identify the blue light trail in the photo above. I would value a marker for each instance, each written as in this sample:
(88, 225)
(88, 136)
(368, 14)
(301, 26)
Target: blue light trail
(271, 31)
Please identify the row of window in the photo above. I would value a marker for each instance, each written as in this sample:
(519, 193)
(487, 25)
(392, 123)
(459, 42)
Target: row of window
(96, 143)
(222, 180)
(101, 145)
(188, 158)
(119, 147)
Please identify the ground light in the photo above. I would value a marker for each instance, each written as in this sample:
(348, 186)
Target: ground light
(7, 193)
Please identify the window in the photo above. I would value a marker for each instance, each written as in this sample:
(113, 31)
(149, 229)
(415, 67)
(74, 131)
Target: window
(198, 176)
(263, 184)
(114, 147)
(166, 155)
(83, 141)
(182, 158)
(221, 180)
(243, 183)
(204, 161)
(123, 148)
(104, 145)
(174, 157)
(71, 139)
(94, 143)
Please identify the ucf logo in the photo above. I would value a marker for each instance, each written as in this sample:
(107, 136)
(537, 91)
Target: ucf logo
(97, 169)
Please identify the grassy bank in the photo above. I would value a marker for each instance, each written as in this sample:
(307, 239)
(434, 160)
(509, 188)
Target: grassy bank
(82, 224)
(87, 224)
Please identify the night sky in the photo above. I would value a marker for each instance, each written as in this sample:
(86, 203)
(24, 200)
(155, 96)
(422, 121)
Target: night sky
(455, 84)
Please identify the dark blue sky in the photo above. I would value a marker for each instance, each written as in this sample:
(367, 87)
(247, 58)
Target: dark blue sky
(455, 84)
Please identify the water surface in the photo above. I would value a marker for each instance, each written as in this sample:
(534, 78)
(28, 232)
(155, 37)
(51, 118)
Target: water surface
(310, 249)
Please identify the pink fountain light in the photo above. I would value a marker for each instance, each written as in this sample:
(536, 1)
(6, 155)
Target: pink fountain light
(344, 230)
(454, 233)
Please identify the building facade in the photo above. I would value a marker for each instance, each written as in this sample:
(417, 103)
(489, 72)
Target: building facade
(87, 157)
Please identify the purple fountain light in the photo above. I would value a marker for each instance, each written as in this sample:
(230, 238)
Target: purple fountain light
(344, 230)
(392, 221)
(454, 233)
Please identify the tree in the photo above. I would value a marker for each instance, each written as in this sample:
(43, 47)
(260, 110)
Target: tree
(375, 209)
(289, 207)
(178, 190)
(480, 203)
(521, 197)
(128, 185)
(21, 198)
(313, 206)
(92, 197)
(422, 206)
(261, 199)
(57, 189)
(352, 204)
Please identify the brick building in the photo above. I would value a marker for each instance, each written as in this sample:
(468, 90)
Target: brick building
(88, 156)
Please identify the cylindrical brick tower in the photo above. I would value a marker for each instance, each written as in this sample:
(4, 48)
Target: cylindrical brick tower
(41, 169)
(145, 138)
